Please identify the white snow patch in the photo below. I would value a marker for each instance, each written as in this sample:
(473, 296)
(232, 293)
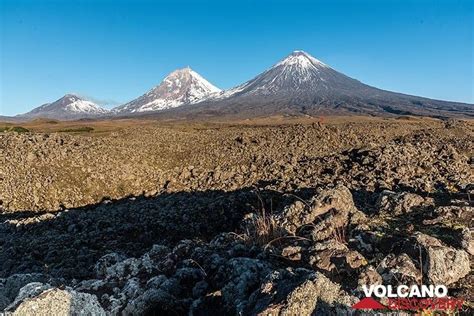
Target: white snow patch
(83, 106)
(297, 68)
(182, 86)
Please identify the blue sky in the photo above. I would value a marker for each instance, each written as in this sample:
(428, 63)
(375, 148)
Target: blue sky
(114, 51)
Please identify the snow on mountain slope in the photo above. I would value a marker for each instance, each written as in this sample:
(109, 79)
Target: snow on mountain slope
(69, 106)
(182, 86)
(302, 85)
(298, 73)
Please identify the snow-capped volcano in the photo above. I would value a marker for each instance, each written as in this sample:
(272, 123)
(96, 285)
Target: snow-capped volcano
(69, 106)
(296, 75)
(300, 84)
(182, 86)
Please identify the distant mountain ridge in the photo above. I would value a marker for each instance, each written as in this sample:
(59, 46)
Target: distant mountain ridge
(299, 84)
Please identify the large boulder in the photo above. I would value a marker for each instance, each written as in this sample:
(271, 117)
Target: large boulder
(442, 264)
(453, 214)
(298, 292)
(335, 204)
(392, 203)
(60, 302)
(333, 255)
(397, 270)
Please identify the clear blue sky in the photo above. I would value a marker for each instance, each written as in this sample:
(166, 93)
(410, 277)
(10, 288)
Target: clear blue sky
(114, 51)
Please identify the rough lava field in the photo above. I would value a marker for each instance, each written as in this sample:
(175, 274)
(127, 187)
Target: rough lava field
(236, 218)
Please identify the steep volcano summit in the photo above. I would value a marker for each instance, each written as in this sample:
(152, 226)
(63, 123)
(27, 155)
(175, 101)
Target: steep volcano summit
(182, 86)
(68, 107)
(297, 76)
(301, 84)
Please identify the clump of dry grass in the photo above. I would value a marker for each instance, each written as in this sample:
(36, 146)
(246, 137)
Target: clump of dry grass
(264, 231)
(339, 235)
(262, 228)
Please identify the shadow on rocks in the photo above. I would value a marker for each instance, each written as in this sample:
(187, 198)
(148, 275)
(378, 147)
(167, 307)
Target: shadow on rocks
(68, 243)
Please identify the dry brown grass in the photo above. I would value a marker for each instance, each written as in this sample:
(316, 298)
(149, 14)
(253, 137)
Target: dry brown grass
(262, 228)
(339, 235)
(263, 231)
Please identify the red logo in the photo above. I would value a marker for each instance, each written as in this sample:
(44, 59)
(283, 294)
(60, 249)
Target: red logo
(414, 304)
(368, 303)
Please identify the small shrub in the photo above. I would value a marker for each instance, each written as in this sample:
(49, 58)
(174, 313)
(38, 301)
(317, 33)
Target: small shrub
(19, 129)
(16, 129)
